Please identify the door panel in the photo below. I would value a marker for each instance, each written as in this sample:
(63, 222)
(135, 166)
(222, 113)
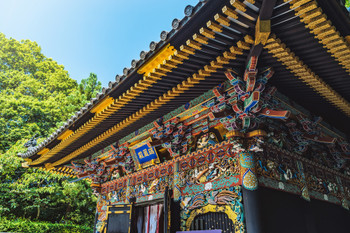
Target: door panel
(118, 218)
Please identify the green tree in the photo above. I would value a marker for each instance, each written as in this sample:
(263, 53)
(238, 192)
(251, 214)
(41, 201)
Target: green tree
(37, 96)
(40, 195)
(90, 87)
(33, 91)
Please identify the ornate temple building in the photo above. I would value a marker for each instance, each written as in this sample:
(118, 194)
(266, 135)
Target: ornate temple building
(237, 120)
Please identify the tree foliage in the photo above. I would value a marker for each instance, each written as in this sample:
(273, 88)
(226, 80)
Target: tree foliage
(33, 91)
(39, 195)
(89, 87)
(26, 226)
(37, 96)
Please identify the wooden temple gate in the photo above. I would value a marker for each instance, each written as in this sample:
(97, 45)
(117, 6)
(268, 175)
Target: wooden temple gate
(216, 128)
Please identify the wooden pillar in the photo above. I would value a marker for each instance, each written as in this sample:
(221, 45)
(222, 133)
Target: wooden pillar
(250, 192)
(304, 189)
(177, 191)
(128, 193)
(166, 209)
(344, 201)
(175, 204)
(248, 170)
(252, 211)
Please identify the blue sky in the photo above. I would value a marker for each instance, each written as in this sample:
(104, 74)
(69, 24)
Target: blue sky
(90, 36)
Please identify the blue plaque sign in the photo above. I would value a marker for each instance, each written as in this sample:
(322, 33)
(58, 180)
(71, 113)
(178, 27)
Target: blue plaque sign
(144, 154)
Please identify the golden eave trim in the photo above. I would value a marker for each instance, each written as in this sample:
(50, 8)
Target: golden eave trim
(62, 171)
(303, 72)
(137, 116)
(148, 80)
(102, 105)
(43, 151)
(65, 135)
(49, 166)
(109, 106)
(316, 21)
(157, 59)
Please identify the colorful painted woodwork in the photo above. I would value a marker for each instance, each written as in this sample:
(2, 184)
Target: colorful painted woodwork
(206, 170)
(177, 181)
(192, 130)
(242, 107)
(210, 168)
(174, 135)
(241, 110)
(280, 169)
(228, 201)
(302, 179)
(248, 173)
(218, 143)
(232, 139)
(216, 163)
